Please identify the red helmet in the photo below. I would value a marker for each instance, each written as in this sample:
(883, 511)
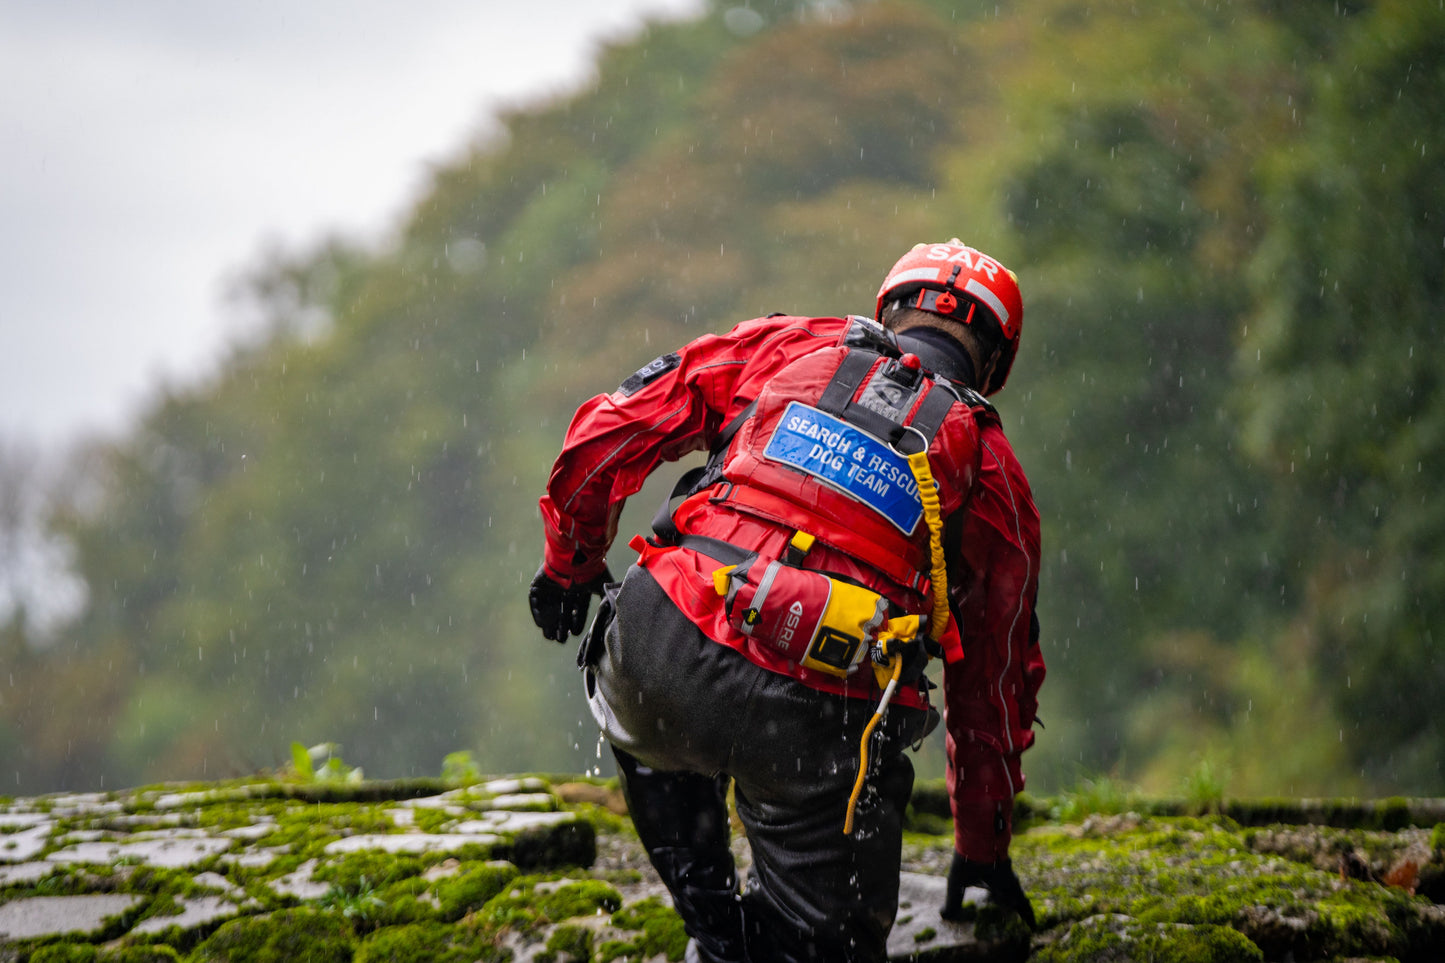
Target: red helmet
(954, 280)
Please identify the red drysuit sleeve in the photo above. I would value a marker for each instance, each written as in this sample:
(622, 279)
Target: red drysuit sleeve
(991, 694)
(675, 405)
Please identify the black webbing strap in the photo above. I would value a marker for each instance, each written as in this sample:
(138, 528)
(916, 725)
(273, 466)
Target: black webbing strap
(662, 522)
(840, 391)
(714, 548)
(725, 436)
(879, 426)
(837, 400)
(932, 412)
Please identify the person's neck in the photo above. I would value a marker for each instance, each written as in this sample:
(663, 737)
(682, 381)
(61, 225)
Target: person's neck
(940, 353)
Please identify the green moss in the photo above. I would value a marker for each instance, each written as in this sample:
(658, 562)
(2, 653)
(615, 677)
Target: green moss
(1176, 888)
(472, 888)
(356, 871)
(1001, 928)
(1392, 814)
(926, 823)
(429, 942)
(160, 881)
(637, 915)
(1262, 811)
(299, 934)
(925, 934)
(569, 943)
(430, 820)
(582, 898)
(307, 828)
(378, 889)
(65, 953)
(619, 877)
(60, 881)
(402, 904)
(1203, 873)
(931, 796)
(224, 816)
(1119, 939)
(531, 901)
(571, 844)
(153, 953)
(661, 932)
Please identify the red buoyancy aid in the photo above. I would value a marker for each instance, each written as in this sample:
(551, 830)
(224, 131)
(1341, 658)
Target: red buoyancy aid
(825, 452)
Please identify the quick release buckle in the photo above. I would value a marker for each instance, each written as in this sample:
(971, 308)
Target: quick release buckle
(798, 548)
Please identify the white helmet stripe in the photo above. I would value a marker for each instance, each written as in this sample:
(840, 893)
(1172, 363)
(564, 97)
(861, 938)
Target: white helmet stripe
(915, 274)
(987, 297)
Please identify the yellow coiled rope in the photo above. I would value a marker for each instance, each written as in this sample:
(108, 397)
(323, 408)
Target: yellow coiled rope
(933, 512)
(904, 629)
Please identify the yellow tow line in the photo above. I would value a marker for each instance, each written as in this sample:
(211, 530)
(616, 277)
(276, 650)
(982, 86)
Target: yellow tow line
(903, 630)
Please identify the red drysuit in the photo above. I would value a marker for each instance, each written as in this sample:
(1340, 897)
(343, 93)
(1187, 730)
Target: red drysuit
(680, 404)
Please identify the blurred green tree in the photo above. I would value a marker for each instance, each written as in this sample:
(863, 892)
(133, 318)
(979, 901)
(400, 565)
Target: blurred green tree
(1340, 397)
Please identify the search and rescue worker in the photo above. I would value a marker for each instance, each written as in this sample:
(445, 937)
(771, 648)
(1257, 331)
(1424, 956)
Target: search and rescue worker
(860, 504)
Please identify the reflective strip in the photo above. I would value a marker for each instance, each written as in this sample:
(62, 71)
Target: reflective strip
(1003, 700)
(987, 297)
(761, 595)
(915, 274)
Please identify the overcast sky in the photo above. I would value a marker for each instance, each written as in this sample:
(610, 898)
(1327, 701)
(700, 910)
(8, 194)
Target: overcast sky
(150, 149)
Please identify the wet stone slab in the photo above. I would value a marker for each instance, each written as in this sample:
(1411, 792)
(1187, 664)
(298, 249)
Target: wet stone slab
(20, 873)
(61, 915)
(497, 821)
(102, 839)
(24, 844)
(176, 850)
(195, 913)
(920, 934)
(412, 842)
(300, 883)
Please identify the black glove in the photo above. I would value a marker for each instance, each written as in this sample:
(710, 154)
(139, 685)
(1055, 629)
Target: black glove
(562, 611)
(998, 878)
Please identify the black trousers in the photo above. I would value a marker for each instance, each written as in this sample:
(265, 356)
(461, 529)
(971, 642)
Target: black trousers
(684, 716)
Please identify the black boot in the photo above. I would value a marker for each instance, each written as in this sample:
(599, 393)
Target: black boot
(682, 820)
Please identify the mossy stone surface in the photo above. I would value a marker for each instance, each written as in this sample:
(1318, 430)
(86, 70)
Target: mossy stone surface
(430, 942)
(65, 953)
(1107, 881)
(569, 943)
(473, 888)
(1187, 878)
(156, 953)
(283, 937)
(533, 900)
(660, 932)
(1120, 939)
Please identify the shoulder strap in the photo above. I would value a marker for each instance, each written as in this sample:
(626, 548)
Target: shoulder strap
(725, 437)
(837, 400)
(982, 409)
(850, 374)
(933, 411)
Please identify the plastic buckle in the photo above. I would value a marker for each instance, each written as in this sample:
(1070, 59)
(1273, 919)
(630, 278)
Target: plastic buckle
(798, 548)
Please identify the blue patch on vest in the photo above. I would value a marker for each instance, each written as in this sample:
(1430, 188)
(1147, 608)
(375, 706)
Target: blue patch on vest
(848, 459)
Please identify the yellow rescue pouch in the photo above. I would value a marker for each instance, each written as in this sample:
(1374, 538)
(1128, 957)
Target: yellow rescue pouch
(802, 615)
